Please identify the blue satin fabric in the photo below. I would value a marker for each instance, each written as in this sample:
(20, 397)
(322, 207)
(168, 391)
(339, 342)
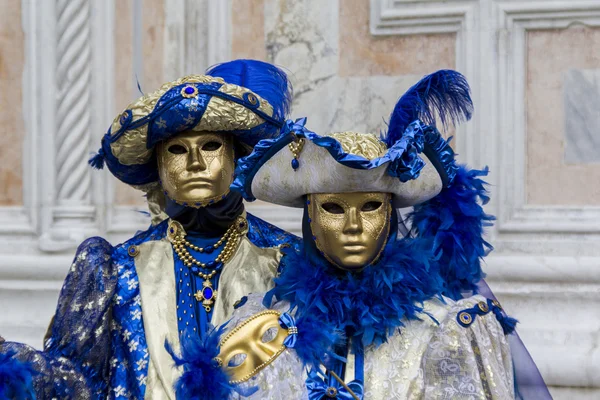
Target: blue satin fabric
(317, 387)
(404, 157)
(264, 234)
(317, 384)
(287, 321)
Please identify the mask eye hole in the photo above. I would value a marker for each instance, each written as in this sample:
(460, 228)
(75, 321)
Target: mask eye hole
(177, 149)
(237, 360)
(332, 208)
(270, 335)
(371, 206)
(212, 146)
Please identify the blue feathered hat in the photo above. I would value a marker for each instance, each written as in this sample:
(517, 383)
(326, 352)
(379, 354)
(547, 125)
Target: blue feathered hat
(246, 98)
(412, 161)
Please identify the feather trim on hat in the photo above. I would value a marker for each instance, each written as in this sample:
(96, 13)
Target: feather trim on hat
(444, 93)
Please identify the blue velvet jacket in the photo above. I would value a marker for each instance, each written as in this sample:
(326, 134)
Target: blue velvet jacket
(95, 347)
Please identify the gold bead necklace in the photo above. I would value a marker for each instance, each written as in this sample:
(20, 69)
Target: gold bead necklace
(231, 239)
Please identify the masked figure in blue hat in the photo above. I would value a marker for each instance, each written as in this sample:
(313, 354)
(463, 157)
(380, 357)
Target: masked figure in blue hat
(361, 311)
(120, 304)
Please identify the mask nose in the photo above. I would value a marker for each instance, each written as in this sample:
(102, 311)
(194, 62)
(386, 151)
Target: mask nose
(195, 160)
(353, 223)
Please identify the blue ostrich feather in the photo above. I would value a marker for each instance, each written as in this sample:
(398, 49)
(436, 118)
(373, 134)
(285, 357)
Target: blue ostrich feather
(16, 377)
(202, 378)
(264, 79)
(445, 93)
(316, 339)
(455, 221)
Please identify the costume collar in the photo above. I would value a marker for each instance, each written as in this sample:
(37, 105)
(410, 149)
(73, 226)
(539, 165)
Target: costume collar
(371, 303)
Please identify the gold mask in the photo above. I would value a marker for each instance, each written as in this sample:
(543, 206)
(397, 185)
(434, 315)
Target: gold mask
(252, 345)
(350, 229)
(196, 168)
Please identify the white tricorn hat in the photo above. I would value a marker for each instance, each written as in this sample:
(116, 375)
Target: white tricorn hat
(413, 161)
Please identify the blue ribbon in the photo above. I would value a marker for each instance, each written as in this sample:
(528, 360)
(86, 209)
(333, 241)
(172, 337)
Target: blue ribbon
(318, 389)
(296, 126)
(287, 321)
(406, 162)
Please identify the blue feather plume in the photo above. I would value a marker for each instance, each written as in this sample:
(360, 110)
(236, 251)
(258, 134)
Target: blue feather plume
(445, 93)
(202, 378)
(16, 377)
(455, 221)
(264, 79)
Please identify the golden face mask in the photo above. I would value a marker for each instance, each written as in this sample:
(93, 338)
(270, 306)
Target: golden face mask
(196, 168)
(350, 229)
(252, 345)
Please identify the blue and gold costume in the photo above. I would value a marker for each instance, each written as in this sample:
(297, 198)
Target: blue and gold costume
(120, 304)
(397, 326)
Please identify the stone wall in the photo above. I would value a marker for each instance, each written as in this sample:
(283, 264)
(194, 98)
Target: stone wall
(533, 67)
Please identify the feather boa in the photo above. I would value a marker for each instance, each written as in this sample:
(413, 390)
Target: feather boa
(455, 221)
(371, 303)
(15, 377)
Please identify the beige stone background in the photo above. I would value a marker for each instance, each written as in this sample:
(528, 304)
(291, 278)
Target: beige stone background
(345, 78)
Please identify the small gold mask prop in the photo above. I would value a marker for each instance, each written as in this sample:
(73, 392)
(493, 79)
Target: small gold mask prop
(252, 345)
(350, 229)
(196, 168)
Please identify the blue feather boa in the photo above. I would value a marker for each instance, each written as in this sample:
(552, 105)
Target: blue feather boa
(372, 303)
(16, 377)
(455, 221)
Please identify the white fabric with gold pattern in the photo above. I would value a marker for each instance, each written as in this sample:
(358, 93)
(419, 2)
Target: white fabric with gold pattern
(425, 360)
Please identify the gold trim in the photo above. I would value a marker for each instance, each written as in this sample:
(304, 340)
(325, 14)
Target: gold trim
(252, 99)
(296, 147)
(133, 250)
(189, 95)
(465, 318)
(483, 306)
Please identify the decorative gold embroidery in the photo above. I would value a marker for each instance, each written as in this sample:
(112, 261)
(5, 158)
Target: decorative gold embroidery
(465, 318)
(365, 145)
(482, 375)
